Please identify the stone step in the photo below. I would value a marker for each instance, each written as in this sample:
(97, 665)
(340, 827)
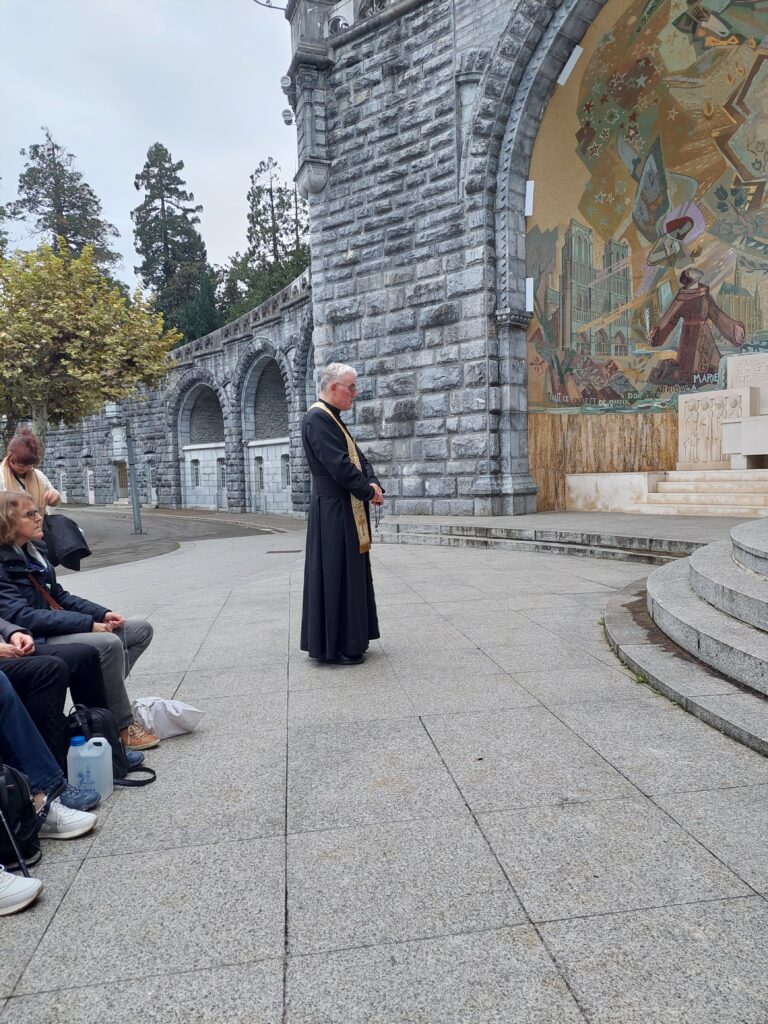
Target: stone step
(486, 533)
(750, 547)
(660, 663)
(713, 487)
(679, 509)
(719, 581)
(734, 648)
(717, 474)
(716, 498)
(483, 540)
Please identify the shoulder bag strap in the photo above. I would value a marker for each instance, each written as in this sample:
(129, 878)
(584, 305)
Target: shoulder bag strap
(41, 589)
(137, 782)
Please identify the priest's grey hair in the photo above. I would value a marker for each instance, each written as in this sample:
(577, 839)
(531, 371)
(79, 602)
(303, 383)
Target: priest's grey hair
(332, 373)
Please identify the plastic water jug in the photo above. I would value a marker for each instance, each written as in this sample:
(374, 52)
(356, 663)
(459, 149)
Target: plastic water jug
(89, 765)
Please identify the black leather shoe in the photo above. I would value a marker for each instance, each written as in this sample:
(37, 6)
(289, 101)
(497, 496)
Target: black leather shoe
(347, 659)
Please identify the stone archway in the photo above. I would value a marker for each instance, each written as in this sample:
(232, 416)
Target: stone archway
(202, 444)
(265, 416)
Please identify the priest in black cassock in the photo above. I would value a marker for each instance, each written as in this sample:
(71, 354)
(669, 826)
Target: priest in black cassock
(339, 613)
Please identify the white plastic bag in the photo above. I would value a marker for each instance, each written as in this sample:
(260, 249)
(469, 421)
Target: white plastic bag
(166, 718)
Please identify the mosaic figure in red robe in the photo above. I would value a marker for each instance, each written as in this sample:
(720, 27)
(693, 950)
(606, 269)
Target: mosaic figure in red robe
(697, 351)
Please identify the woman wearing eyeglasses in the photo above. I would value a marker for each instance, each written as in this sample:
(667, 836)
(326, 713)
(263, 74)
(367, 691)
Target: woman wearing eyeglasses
(31, 597)
(18, 471)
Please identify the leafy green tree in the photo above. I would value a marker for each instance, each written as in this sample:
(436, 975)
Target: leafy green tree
(70, 339)
(59, 204)
(174, 260)
(277, 243)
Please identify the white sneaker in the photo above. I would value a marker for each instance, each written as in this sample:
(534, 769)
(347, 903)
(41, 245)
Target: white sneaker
(64, 823)
(17, 892)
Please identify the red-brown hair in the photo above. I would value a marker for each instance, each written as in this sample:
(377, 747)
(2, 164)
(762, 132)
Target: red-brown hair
(24, 448)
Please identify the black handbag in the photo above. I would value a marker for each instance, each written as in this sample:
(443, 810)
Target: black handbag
(65, 541)
(90, 722)
(19, 845)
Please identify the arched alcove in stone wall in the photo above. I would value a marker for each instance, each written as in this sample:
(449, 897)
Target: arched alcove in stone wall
(202, 418)
(202, 452)
(266, 436)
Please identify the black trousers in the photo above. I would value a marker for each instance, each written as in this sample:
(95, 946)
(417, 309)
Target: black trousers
(41, 682)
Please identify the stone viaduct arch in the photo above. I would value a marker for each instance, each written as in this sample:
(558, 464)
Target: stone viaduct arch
(194, 465)
(263, 398)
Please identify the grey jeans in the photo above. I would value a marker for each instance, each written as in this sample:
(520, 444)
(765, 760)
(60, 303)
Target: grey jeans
(118, 653)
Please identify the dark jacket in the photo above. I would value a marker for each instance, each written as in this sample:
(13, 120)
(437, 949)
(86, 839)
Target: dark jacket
(22, 603)
(7, 629)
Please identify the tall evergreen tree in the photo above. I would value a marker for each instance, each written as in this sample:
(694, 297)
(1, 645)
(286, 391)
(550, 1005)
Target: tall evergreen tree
(59, 203)
(277, 243)
(174, 260)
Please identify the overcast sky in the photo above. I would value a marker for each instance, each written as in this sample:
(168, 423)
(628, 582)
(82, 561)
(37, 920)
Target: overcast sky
(110, 77)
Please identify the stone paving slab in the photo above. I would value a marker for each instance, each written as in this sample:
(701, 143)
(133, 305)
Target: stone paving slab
(22, 933)
(692, 964)
(732, 823)
(519, 758)
(364, 886)
(497, 977)
(365, 773)
(603, 857)
(406, 856)
(131, 913)
(248, 994)
(663, 749)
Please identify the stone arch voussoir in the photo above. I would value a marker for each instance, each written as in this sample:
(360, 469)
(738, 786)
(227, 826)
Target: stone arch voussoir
(511, 99)
(256, 349)
(301, 361)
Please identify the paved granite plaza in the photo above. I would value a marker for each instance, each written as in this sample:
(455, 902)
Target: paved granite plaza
(490, 821)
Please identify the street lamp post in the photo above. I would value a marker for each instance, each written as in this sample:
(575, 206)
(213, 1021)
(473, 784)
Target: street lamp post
(132, 480)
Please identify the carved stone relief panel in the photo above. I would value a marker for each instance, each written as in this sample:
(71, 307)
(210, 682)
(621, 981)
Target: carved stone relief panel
(700, 425)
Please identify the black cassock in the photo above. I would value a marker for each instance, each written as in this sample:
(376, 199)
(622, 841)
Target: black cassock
(339, 611)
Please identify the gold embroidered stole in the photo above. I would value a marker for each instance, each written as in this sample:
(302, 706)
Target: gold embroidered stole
(358, 508)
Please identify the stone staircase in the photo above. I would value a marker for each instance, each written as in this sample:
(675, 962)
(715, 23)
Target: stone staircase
(504, 534)
(702, 637)
(723, 492)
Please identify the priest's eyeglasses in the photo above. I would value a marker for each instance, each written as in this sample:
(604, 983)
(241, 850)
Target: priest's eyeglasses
(351, 388)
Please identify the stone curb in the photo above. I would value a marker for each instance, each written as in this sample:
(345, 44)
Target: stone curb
(639, 643)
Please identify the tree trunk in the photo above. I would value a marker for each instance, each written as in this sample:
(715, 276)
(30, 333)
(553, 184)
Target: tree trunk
(40, 425)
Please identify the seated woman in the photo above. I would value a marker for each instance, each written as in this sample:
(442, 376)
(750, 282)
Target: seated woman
(22, 747)
(18, 470)
(31, 597)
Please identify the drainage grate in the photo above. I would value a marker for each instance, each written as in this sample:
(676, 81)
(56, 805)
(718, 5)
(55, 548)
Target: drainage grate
(284, 551)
